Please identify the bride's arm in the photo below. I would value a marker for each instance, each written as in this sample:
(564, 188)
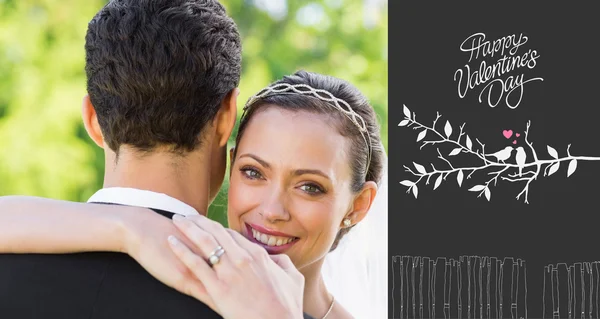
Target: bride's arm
(40, 225)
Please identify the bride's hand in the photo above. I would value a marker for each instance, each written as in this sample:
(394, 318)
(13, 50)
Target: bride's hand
(245, 282)
(145, 234)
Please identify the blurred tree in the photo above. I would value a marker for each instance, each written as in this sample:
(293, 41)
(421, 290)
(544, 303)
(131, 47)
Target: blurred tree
(44, 149)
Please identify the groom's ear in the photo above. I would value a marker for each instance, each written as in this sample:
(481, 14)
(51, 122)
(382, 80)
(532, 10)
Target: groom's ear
(225, 119)
(90, 121)
(362, 202)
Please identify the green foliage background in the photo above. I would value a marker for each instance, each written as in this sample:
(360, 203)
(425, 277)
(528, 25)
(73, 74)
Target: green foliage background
(44, 149)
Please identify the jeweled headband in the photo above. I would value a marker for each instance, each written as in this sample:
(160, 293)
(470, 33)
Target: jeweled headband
(339, 104)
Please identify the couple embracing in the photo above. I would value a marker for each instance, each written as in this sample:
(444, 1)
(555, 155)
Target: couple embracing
(307, 170)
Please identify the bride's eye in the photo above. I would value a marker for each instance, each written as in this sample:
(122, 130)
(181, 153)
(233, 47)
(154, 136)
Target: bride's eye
(251, 173)
(312, 189)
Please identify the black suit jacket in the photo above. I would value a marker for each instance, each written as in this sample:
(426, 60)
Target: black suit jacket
(89, 286)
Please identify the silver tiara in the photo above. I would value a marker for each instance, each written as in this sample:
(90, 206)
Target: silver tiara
(341, 105)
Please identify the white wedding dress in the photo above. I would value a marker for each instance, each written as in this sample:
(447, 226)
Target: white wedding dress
(356, 273)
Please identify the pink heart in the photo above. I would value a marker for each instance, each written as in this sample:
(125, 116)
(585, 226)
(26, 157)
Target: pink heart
(515, 142)
(517, 134)
(507, 134)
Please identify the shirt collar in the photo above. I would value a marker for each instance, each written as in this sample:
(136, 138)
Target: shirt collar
(142, 198)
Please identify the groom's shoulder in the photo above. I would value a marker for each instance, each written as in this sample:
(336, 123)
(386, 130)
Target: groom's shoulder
(100, 285)
(57, 264)
(33, 283)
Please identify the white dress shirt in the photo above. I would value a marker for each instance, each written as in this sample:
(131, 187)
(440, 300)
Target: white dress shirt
(142, 198)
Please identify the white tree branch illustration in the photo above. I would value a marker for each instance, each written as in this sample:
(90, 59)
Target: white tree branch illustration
(498, 165)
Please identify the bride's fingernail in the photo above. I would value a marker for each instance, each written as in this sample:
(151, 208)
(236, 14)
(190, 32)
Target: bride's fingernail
(172, 240)
(178, 217)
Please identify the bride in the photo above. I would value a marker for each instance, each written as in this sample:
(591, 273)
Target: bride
(307, 179)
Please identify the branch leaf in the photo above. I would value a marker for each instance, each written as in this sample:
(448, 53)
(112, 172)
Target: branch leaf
(407, 183)
(448, 129)
(415, 191)
(403, 123)
(476, 188)
(455, 151)
(438, 181)
(553, 168)
(459, 178)
(488, 194)
(422, 135)
(552, 152)
(420, 168)
(572, 167)
(406, 111)
(469, 143)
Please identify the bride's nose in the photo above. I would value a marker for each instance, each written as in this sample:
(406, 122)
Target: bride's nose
(274, 209)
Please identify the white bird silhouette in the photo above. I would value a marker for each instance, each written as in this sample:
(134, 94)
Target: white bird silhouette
(520, 158)
(503, 154)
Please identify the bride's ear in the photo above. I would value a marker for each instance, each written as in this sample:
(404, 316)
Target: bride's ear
(361, 204)
(90, 121)
(231, 152)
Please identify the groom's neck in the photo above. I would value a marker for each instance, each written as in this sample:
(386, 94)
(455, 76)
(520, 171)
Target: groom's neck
(185, 178)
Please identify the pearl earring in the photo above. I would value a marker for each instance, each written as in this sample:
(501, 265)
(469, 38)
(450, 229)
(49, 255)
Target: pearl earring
(347, 222)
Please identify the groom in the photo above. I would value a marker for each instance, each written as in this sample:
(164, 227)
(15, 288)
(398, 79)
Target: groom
(162, 80)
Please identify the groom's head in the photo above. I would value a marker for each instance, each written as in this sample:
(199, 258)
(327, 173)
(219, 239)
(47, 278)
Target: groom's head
(162, 78)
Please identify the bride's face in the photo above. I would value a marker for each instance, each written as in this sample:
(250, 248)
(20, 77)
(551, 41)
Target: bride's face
(290, 184)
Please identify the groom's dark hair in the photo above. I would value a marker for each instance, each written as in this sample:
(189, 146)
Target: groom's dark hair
(158, 70)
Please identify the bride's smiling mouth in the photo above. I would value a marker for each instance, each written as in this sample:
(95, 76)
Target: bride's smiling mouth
(274, 242)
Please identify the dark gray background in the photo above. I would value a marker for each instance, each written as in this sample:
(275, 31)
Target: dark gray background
(560, 223)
